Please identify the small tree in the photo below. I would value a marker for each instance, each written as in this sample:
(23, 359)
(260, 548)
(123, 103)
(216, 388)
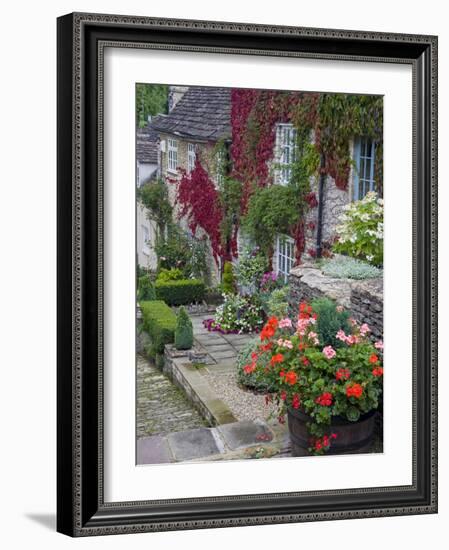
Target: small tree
(183, 331)
(228, 284)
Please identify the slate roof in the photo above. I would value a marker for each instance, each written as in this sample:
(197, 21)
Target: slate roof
(203, 114)
(147, 141)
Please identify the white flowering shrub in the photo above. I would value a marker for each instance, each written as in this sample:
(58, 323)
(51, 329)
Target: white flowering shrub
(361, 230)
(349, 268)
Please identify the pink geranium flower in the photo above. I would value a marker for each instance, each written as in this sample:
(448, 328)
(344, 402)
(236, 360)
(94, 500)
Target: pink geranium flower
(364, 329)
(329, 352)
(285, 323)
(379, 345)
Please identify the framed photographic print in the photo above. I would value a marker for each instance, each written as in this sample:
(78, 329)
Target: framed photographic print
(246, 274)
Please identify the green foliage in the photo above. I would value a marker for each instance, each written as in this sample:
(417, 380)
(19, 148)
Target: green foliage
(250, 268)
(183, 331)
(184, 253)
(228, 282)
(151, 99)
(230, 199)
(172, 274)
(276, 303)
(173, 251)
(159, 322)
(350, 268)
(154, 196)
(180, 292)
(360, 230)
(271, 210)
(331, 319)
(145, 289)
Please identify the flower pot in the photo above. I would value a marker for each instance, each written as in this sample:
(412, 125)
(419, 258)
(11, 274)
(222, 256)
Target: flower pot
(352, 437)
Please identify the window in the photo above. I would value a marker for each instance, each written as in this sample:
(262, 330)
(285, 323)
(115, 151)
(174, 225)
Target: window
(285, 152)
(285, 256)
(145, 240)
(172, 155)
(364, 156)
(191, 156)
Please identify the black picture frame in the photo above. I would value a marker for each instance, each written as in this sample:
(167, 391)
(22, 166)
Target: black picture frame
(81, 510)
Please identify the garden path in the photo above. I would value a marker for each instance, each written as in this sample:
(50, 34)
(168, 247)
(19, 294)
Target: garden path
(154, 388)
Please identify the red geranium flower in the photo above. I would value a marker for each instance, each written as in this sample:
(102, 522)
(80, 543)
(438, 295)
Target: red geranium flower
(325, 399)
(378, 371)
(283, 395)
(373, 358)
(342, 374)
(305, 361)
(248, 369)
(291, 378)
(278, 358)
(354, 390)
(296, 401)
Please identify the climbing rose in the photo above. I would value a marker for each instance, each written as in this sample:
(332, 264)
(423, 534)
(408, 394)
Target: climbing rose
(354, 390)
(291, 378)
(325, 399)
(329, 352)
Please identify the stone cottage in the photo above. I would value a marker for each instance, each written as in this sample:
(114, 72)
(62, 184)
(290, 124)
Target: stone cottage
(147, 168)
(197, 122)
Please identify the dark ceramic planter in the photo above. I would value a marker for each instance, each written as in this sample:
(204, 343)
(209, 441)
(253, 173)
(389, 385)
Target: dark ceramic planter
(352, 437)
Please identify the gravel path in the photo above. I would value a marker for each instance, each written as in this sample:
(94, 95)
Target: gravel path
(244, 404)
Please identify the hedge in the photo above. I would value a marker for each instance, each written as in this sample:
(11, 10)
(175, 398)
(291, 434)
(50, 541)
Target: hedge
(160, 323)
(181, 292)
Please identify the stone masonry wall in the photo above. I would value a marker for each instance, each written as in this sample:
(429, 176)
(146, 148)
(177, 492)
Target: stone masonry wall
(364, 299)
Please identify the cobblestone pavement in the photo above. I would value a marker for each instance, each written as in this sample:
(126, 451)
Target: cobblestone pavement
(161, 406)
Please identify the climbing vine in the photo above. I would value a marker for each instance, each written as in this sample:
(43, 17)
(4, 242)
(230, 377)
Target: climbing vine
(325, 125)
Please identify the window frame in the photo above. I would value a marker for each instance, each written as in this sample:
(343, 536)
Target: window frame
(283, 145)
(191, 156)
(172, 155)
(282, 257)
(358, 157)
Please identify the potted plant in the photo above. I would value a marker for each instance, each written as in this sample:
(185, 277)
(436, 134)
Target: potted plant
(328, 383)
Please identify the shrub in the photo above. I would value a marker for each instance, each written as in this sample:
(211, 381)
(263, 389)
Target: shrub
(360, 230)
(347, 267)
(228, 284)
(331, 318)
(145, 289)
(172, 274)
(160, 323)
(250, 268)
(276, 303)
(183, 331)
(180, 292)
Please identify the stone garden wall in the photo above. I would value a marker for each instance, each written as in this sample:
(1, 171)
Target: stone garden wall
(364, 299)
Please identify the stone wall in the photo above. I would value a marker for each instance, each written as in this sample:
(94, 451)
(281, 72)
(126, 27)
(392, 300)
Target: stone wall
(364, 299)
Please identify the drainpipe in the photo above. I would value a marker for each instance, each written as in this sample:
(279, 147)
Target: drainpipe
(319, 230)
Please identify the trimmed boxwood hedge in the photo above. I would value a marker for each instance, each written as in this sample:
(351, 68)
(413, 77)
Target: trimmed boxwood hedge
(160, 323)
(181, 292)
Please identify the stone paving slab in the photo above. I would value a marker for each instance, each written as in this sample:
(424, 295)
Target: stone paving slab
(245, 434)
(153, 450)
(192, 444)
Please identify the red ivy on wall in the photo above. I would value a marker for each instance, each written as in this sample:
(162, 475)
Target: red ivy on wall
(200, 205)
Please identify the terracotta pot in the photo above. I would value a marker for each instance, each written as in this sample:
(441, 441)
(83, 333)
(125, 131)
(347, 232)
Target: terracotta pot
(352, 437)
